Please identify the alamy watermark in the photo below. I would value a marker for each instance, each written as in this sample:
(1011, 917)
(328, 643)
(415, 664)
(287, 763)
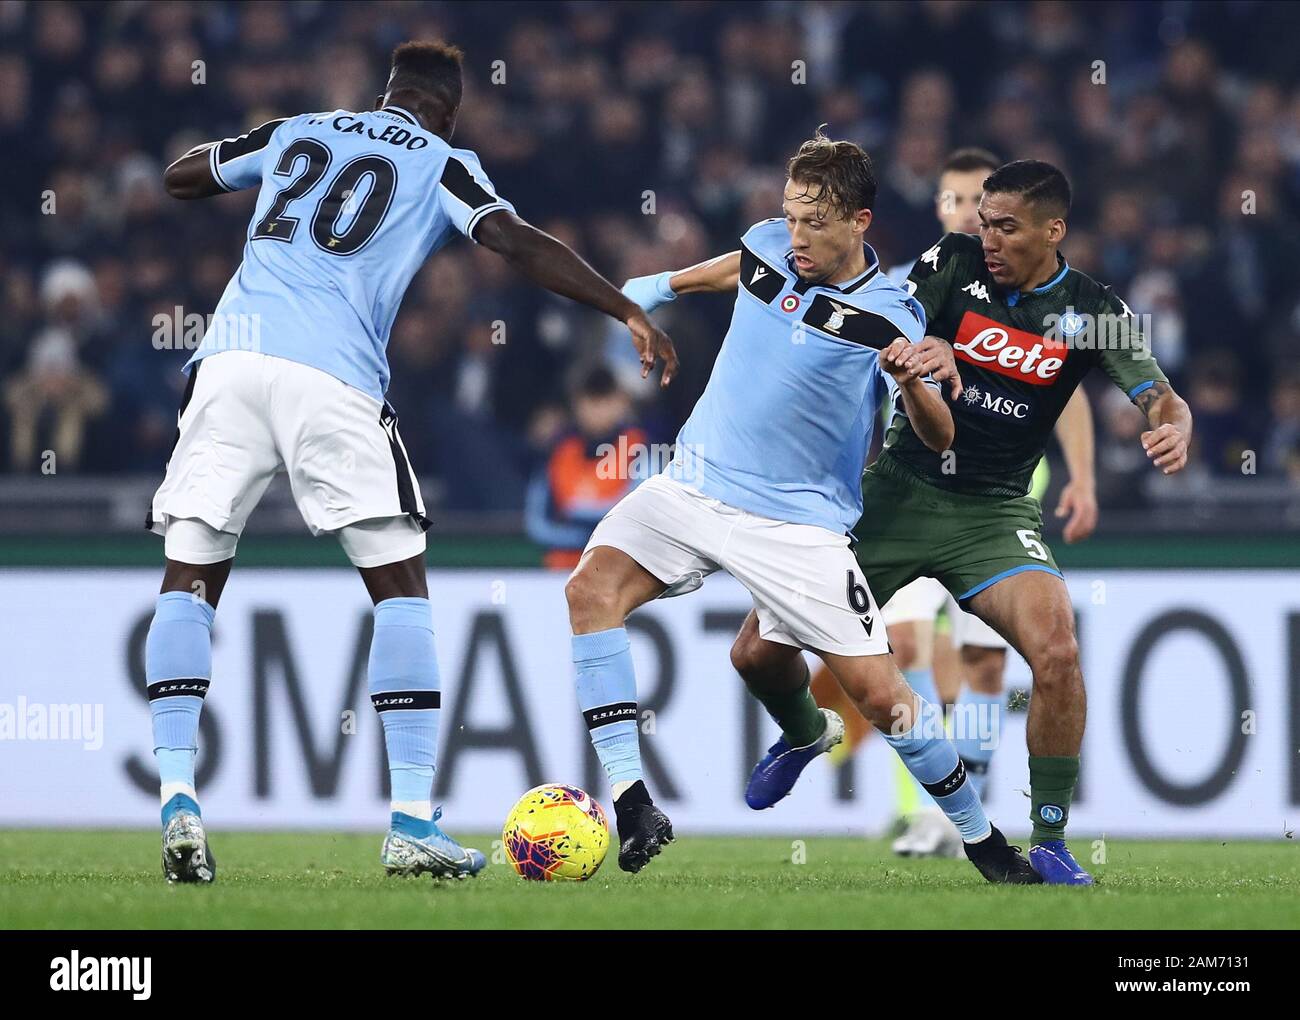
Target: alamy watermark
(1109, 331)
(77, 973)
(178, 331)
(626, 461)
(979, 722)
(35, 720)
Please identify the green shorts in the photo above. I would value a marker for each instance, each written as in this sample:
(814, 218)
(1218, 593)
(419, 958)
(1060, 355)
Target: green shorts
(911, 529)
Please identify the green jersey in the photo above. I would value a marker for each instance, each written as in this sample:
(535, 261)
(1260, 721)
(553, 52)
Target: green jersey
(1020, 356)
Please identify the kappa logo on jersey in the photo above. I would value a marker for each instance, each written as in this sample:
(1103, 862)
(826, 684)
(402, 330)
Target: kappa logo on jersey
(836, 321)
(1008, 351)
(931, 258)
(994, 404)
(977, 289)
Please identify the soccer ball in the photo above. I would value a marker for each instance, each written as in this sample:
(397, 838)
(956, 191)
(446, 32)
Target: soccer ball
(556, 833)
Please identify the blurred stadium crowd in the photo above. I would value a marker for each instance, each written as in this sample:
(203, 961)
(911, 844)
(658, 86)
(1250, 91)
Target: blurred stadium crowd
(648, 136)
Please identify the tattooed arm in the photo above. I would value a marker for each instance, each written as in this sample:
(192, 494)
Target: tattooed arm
(1171, 426)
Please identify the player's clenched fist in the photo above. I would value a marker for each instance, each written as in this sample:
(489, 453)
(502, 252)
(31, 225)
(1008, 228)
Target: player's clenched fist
(896, 358)
(933, 357)
(1166, 446)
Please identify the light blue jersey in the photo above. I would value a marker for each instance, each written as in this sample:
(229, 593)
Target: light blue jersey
(785, 423)
(351, 204)
(900, 273)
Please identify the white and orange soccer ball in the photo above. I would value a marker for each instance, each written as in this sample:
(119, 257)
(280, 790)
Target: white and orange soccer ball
(556, 833)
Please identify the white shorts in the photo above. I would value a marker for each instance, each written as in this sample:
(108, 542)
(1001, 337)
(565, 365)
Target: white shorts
(923, 599)
(917, 602)
(807, 587)
(969, 629)
(247, 416)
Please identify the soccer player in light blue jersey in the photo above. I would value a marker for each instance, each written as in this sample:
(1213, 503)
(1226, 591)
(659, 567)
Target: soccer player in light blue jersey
(291, 377)
(765, 484)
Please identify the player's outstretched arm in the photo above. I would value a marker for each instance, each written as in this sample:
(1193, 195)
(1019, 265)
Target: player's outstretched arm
(717, 275)
(191, 176)
(1078, 502)
(924, 404)
(1171, 426)
(215, 168)
(554, 265)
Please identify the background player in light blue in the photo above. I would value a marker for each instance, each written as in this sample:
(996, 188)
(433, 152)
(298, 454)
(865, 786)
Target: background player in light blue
(351, 204)
(765, 484)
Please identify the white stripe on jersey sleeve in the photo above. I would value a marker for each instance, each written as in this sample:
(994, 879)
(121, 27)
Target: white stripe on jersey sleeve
(466, 193)
(216, 171)
(236, 163)
(480, 213)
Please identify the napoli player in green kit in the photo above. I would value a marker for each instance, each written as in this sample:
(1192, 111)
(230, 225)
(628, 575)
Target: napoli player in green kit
(1013, 329)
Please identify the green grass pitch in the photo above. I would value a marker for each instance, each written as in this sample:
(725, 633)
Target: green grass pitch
(77, 879)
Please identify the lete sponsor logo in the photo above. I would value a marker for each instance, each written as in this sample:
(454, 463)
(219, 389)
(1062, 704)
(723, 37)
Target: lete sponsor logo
(1008, 351)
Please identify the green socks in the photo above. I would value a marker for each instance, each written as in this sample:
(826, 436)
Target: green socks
(1051, 788)
(796, 712)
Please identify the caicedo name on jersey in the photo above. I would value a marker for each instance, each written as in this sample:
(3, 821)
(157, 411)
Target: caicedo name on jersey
(393, 134)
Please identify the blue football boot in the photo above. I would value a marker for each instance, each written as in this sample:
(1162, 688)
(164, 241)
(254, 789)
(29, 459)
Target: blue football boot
(415, 847)
(774, 777)
(1053, 861)
(185, 853)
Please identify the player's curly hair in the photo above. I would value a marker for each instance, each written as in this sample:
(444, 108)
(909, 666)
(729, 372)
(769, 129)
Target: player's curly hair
(430, 67)
(837, 172)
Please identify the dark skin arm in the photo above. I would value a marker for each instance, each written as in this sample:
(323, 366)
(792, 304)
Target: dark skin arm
(1171, 427)
(190, 176)
(551, 264)
(1168, 414)
(536, 254)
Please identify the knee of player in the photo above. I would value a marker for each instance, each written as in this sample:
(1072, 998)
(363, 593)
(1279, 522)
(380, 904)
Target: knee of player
(745, 659)
(879, 697)
(1056, 658)
(881, 704)
(588, 598)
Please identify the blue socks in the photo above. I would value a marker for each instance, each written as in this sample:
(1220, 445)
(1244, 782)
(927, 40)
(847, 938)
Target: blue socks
(607, 697)
(976, 722)
(405, 691)
(178, 669)
(932, 759)
(922, 681)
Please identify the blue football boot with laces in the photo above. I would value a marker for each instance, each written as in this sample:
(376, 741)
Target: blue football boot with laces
(1056, 865)
(416, 847)
(775, 775)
